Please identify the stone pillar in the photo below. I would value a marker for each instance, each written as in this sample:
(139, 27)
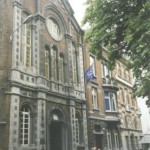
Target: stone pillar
(41, 122)
(15, 37)
(14, 119)
(39, 41)
(85, 134)
(72, 125)
(81, 70)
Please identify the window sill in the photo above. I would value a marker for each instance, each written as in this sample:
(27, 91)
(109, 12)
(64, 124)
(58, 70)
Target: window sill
(116, 112)
(96, 109)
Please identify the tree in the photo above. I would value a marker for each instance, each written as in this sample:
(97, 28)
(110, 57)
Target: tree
(123, 27)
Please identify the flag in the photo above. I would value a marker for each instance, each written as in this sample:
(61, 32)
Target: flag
(89, 74)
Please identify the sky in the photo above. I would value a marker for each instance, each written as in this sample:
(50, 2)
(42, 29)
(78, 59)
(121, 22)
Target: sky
(79, 9)
(145, 118)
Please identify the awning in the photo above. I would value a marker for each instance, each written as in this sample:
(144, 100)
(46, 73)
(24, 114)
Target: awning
(145, 139)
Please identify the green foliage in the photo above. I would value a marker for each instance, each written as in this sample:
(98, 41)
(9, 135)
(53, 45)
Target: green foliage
(123, 26)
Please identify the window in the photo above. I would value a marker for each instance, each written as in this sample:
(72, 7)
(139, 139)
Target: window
(110, 101)
(47, 63)
(77, 129)
(109, 140)
(54, 28)
(126, 96)
(25, 126)
(106, 71)
(54, 63)
(116, 139)
(122, 95)
(127, 142)
(94, 98)
(92, 62)
(74, 63)
(26, 42)
(61, 68)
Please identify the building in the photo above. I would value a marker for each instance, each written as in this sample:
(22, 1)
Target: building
(129, 112)
(113, 115)
(42, 93)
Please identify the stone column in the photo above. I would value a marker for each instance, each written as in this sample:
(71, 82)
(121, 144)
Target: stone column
(81, 69)
(41, 122)
(72, 125)
(15, 37)
(14, 118)
(85, 134)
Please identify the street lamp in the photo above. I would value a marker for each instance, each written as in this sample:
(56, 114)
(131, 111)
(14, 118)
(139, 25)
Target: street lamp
(27, 20)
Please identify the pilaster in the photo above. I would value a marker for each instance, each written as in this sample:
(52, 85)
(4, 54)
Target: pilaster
(41, 122)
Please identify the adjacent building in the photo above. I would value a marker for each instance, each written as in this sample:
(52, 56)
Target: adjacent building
(42, 93)
(113, 115)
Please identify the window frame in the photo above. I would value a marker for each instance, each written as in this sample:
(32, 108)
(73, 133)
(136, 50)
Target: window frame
(54, 28)
(25, 44)
(111, 100)
(23, 124)
(95, 98)
(92, 62)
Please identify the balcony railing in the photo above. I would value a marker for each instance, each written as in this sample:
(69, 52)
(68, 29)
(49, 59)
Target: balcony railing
(110, 83)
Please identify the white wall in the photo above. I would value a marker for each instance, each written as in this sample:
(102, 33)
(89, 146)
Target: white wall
(145, 118)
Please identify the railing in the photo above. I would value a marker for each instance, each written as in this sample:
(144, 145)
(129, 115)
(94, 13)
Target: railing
(110, 83)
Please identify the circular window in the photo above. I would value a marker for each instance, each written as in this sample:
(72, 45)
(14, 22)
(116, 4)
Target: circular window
(54, 28)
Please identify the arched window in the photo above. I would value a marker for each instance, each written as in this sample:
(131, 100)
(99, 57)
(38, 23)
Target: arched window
(61, 68)
(54, 63)
(74, 63)
(47, 62)
(25, 123)
(26, 41)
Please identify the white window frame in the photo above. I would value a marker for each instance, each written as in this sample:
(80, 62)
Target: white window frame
(111, 97)
(116, 139)
(105, 71)
(92, 62)
(26, 43)
(109, 140)
(94, 98)
(25, 126)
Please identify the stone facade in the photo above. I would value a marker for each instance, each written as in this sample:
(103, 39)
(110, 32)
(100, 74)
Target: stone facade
(42, 102)
(113, 115)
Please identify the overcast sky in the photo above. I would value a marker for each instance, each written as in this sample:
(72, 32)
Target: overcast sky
(79, 9)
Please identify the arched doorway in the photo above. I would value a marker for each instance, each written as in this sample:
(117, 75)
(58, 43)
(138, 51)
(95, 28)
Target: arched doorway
(56, 135)
(58, 131)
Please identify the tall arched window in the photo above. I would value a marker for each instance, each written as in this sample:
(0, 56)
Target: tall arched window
(26, 41)
(25, 123)
(47, 63)
(61, 68)
(74, 63)
(54, 63)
